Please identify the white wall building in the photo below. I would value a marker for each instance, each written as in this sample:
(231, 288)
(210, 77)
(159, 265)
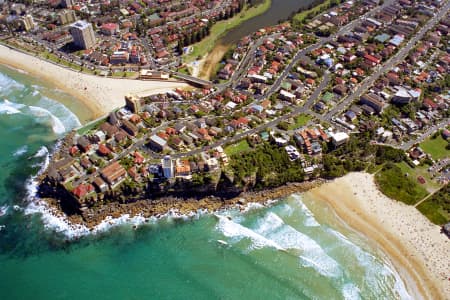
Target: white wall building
(83, 34)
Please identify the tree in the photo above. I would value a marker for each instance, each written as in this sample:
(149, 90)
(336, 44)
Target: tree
(283, 125)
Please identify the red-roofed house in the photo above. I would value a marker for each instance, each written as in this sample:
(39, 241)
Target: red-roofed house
(109, 28)
(73, 150)
(239, 123)
(82, 190)
(372, 60)
(103, 150)
(138, 158)
(429, 104)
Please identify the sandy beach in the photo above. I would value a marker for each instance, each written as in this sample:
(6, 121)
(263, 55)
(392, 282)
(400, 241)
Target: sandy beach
(99, 94)
(416, 247)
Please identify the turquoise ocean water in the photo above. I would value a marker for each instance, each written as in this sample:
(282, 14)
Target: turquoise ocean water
(294, 249)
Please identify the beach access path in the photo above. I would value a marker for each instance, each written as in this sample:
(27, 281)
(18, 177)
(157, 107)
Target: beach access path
(100, 94)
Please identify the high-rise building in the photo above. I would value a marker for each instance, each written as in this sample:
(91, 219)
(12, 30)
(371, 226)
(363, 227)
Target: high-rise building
(168, 167)
(66, 3)
(134, 103)
(83, 34)
(66, 16)
(24, 23)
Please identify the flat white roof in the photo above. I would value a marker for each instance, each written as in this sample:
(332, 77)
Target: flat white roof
(82, 24)
(340, 136)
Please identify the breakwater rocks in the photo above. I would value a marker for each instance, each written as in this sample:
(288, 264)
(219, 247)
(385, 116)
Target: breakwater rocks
(92, 216)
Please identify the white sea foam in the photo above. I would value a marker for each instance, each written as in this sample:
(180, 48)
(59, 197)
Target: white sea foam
(35, 93)
(378, 271)
(399, 285)
(22, 150)
(43, 151)
(3, 210)
(310, 221)
(125, 219)
(252, 206)
(10, 108)
(350, 292)
(312, 255)
(237, 232)
(60, 111)
(53, 222)
(8, 84)
(57, 125)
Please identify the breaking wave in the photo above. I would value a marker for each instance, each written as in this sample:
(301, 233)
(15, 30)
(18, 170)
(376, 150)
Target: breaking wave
(10, 108)
(238, 232)
(22, 150)
(47, 110)
(311, 253)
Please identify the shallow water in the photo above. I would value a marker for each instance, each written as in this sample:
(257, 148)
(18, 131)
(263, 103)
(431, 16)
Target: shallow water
(295, 249)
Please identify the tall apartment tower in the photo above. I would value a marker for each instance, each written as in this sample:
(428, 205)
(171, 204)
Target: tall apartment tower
(134, 103)
(25, 23)
(66, 3)
(83, 34)
(168, 167)
(67, 16)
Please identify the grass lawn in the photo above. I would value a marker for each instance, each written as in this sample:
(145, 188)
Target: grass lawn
(393, 183)
(300, 121)
(221, 27)
(184, 70)
(430, 184)
(437, 207)
(125, 74)
(433, 212)
(373, 168)
(436, 147)
(242, 146)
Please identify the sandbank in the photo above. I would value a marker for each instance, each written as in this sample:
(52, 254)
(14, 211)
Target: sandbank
(99, 94)
(417, 248)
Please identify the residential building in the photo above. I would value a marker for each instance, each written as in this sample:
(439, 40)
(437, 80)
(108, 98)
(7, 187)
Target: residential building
(168, 167)
(100, 184)
(158, 144)
(134, 103)
(339, 138)
(404, 96)
(148, 74)
(83, 34)
(130, 128)
(25, 23)
(109, 28)
(119, 57)
(373, 101)
(82, 190)
(67, 16)
(114, 174)
(183, 168)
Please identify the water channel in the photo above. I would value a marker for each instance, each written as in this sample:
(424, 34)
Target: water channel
(279, 10)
